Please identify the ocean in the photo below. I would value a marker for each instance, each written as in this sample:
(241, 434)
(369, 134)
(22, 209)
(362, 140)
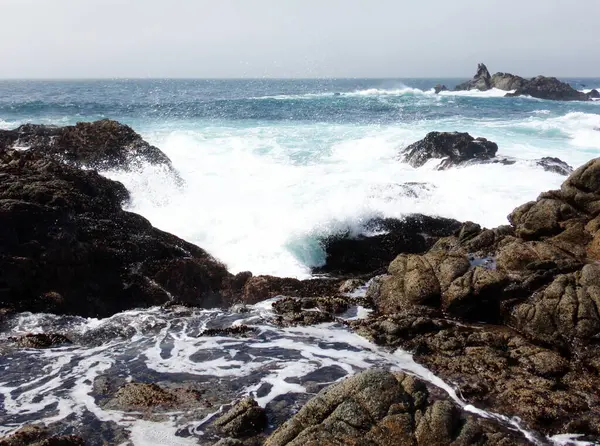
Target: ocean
(268, 167)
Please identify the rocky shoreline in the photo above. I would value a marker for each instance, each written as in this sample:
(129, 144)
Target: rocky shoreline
(510, 315)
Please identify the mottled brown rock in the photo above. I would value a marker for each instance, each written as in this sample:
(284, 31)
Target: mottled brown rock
(37, 435)
(244, 419)
(378, 408)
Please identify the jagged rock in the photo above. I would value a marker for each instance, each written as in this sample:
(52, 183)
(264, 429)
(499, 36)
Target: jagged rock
(539, 276)
(556, 165)
(439, 88)
(365, 254)
(594, 94)
(101, 144)
(41, 340)
(454, 148)
(481, 80)
(68, 247)
(244, 419)
(378, 408)
(543, 87)
(36, 435)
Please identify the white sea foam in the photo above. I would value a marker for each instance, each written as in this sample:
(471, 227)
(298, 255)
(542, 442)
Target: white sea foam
(492, 93)
(259, 198)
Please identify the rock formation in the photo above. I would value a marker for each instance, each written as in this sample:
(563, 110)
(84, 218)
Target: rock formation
(101, 144)
(536, 287)
(68, 247)
(541, 87)
(454, 148)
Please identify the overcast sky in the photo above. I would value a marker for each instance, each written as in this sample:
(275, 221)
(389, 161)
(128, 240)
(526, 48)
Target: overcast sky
(297, 38)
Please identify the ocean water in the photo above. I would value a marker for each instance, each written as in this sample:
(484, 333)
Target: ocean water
(269, 167)
(272, 165)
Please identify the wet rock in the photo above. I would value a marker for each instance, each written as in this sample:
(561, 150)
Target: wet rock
(594, 94)
(439, 88)
(237, 330)
(543, 87)
(244, 419)
(351, 285)
(259, 288)
(454, 148)
(41, 340)
(380, 408)
(36, 435)
(101, 144)
(137, 396)
(538, 279)
(555, 165)
(68, 247)
(481, 81)
(348, 254)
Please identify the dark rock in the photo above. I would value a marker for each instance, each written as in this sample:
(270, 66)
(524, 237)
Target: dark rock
(439, 87)
(361, 254)
(455, 149)
(543, 87)
(101, 144)
(481, 81)
(67, 246)
(556, 165)
(507, 81)
(41, 340)
(238, 330)
(259, 288)
(594, 94)
(36, 435)
(244, 419)
(378, 408)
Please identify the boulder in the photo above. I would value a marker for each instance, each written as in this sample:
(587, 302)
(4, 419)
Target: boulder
(68, 247)
(39, 435)
(101, 144)
(379, 408)
(348, 254)
(41, 340)
(543, 87)
(453, 148)
(246, 418)
(481, 80)
(439, 88)
(556, 165)
(594, 94)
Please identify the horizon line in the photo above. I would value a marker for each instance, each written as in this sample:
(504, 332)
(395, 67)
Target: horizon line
(118, 78)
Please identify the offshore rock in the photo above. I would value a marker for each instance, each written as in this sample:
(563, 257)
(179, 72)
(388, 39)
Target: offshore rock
(481, 81)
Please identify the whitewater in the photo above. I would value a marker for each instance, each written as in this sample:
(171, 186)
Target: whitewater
(267, 168)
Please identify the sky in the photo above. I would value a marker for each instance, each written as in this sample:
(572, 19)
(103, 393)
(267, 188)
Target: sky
(297, 38)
